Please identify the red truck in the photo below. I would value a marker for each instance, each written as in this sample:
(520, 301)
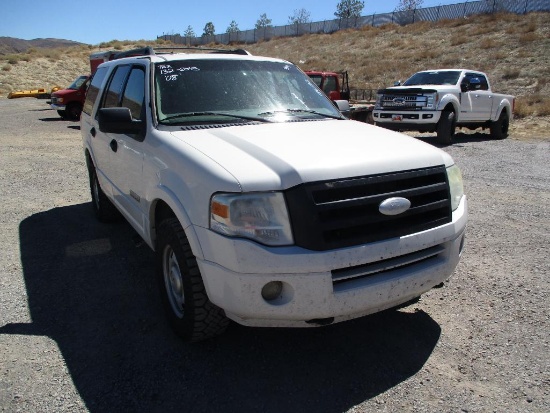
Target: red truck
(68, 102)
(336, 87)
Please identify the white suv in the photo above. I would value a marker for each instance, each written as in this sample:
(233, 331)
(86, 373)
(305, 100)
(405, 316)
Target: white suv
(263, 203)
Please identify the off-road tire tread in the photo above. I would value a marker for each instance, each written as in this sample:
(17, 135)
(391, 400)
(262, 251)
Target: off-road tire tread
(446, 127)
(202, 319)
(104, 209)
(499, 128)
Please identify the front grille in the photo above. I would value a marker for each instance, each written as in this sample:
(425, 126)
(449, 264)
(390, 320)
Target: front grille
(343, 213)
(404, 102)
(54, 100)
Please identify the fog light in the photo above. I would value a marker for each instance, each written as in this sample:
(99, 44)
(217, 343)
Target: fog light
(272, 290)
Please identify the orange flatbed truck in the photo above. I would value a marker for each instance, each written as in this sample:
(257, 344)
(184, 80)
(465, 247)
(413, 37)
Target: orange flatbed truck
(336, 86)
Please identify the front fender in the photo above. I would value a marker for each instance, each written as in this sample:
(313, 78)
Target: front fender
(162, 193)
(449, 99)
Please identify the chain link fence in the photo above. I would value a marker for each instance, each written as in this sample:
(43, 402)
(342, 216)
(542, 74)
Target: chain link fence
(452, 11)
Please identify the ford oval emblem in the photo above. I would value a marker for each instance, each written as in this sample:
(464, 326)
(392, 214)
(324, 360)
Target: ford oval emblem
(399, 101)
(394, 206)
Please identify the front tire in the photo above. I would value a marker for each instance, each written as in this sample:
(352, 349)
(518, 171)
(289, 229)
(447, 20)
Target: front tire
(190, 313)
(499, 128)
(73, 111)
(446, 127)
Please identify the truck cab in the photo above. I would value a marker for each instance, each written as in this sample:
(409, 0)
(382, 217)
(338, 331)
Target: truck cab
(334, 85)
(68, 102)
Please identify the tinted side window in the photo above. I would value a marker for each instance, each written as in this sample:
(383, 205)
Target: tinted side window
(112, 97)
(477, 81)
(484, 83)
(93, 90)
(134, 92)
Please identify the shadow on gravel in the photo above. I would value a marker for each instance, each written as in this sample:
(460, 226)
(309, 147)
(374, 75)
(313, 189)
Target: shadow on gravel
(458, 138)
(90, 288)
(57, 119)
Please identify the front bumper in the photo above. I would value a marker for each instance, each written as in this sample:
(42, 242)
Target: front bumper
(424, 121)
(235, 271)
(58, 106)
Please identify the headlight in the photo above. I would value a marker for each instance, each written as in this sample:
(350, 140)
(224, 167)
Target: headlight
(431, 101)
(378, 103)
(456, 186)
(59, 100)
(262, 217)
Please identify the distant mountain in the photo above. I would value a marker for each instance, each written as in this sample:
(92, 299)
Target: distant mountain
(13, 45)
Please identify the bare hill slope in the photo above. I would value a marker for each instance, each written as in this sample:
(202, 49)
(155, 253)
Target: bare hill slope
(10, 45)
(513, 49)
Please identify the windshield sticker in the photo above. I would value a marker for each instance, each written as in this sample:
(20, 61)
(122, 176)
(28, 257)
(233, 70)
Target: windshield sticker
(188, 69)
(170, 75)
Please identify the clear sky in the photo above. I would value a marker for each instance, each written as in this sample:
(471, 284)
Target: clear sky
(96, 21)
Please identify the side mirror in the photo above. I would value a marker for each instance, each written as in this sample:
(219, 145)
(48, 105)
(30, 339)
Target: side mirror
(343, 107)
(397, 83)
(464, 86)
(118, 120)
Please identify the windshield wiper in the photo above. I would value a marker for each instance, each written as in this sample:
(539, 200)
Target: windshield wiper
(292, 111)
(194, 114)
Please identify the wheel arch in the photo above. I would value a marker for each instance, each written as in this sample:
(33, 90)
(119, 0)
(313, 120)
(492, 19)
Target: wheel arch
(503, 106)
(449, 102)
(164, 206)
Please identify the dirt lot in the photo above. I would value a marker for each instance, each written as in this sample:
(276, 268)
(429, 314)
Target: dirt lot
(81, 327)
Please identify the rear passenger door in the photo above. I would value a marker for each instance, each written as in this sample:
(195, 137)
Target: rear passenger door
(126, 88)
(479, 97)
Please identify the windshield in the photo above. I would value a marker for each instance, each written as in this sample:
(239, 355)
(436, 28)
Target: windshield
(228, 91)
(78, 82)
(448, 77)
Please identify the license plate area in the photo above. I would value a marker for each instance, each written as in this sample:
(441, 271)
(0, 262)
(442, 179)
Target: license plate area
(397, 118)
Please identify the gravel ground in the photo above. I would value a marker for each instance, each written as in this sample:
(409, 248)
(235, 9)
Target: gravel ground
(81, 327)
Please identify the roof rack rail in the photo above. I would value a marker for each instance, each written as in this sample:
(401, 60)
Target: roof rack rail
(205, 49)
(145, 51)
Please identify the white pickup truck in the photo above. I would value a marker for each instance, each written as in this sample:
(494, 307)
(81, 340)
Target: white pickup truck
(264, 204)
(440, 100)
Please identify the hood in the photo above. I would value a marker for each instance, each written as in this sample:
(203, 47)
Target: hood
(274, 156)
(65, 92)
(420, 88)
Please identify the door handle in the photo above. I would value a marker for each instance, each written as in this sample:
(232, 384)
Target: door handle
(114, 145)
(92, 132)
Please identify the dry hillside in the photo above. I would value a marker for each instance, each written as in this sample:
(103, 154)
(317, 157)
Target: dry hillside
(513, 49)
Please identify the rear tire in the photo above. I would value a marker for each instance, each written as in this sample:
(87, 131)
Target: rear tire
(446, 127)
(104, 209)
(191, 314)
(499, 128)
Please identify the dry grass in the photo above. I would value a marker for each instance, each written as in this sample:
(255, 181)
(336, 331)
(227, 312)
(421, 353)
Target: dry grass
(513, 49)
(536, 104)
